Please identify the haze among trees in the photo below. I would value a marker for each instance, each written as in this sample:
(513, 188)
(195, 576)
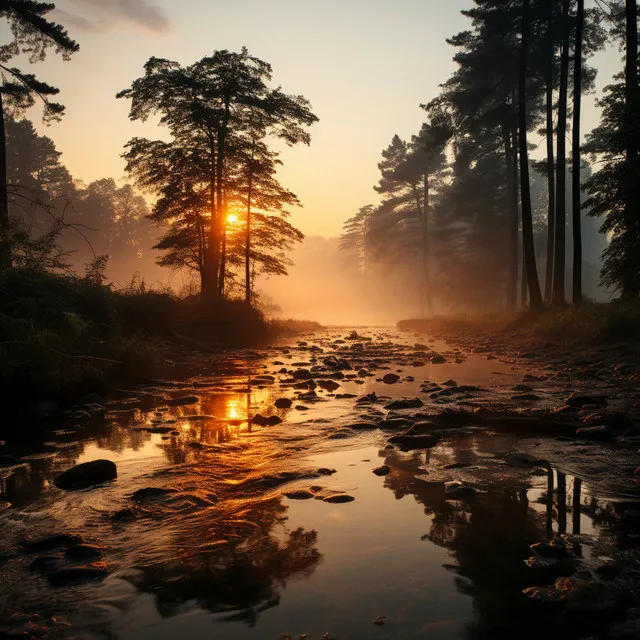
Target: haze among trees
(499, 200)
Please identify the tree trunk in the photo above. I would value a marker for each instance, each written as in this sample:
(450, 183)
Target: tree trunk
(425, 247)
(210, 259)
(512, 222)
(630, 289)
(575, 181)
(223, 262)
(551, 179)
(558, 297)
(5, 245)
(535, 297)
(247, 244)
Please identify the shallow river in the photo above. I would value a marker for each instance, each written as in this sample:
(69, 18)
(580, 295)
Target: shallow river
(240, 542)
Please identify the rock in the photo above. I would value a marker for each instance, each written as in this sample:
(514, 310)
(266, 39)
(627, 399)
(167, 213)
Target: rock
(395, 423)
(363, 426)
(413, 403)
(151, 493)
(328, 385)
(517, 459)
(184, 400)
(363, 373)
(600, 432)
(582, 399)
(84, 552)
(390, 378)
(86, 475)
(529, 397)
(82, 573)
(423, 427)
(44, 564)
(410, 443)
(583, 596)
(283, 403)
(301, 407)
(456, 465)
(540, 562)
(302, 374)
(382, 470)
(554, 549)
(339, 498)
(459, 491)
(260, 420)
(450, 383)
(418, 363)
(323, 471)
(52, 542)
(299, 494)
(438, 359)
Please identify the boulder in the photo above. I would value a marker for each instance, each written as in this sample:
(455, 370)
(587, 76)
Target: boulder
(382, 470)
(580, 400)
(86, 475)
(283, 403)
(411, 403)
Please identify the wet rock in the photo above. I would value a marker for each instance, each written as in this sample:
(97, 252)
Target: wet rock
(423, 427)
(517, 459)
(456, 465)
(584, 399)
(302, 374)
(299, 494)
(184, 400)
(600, 432)
(301, 407)
(438, 359)
(540, 562)
(412, 403)
(49, 543)
(323, 471)
(82, 573)
(379, 621)
(283, 403)
(151, 493)
(526, 397)
(84, 552)
(459, 491)
(44, 564)
(328, 385)
(383, 470)
(86, 475)
(266, 421)
(418, 363)
(391, 378)
(370, 397)
(395, 423)
(340, 498)
(450, 383)
(410, 442)
(557, 548)
(363, 426)
(583, 596)
(363, 373)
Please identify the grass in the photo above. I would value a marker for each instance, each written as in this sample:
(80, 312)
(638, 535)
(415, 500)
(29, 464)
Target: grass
(591, 323)
(61, 334)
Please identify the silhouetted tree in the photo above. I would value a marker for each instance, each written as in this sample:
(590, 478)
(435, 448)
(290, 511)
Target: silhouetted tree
(31, 35)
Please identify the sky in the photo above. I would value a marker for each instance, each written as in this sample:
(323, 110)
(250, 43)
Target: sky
(365, 65)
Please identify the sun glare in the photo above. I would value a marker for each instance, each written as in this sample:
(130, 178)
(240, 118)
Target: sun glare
(232, 218)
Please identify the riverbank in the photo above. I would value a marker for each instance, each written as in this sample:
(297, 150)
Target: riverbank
(64, 336)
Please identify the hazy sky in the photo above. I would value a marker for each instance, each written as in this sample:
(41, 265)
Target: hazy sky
(365, 65)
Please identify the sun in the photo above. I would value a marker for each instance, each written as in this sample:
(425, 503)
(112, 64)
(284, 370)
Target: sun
(232, 218)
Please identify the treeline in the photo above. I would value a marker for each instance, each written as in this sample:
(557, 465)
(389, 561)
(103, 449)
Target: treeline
(467, 215)
(218, 210)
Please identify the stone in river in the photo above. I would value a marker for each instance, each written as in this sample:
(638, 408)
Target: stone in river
(340, 498)
(84, 552)
(456, 465)
(363, 426)
(395, 423)
(151, 493)
(410, 443)
(600, 432)
(283, 403)
(272, 421)
(302, 374)
(412, 403)
(390, 378)
(459, 491)
(382, 470)
(52, 542)
(82, 573)
(518, 459)
(438, 359)
(86, 475)
(328, 385)
(581, 399)
(260, 420)
(326, 472)
(299, 494)
(301, 407)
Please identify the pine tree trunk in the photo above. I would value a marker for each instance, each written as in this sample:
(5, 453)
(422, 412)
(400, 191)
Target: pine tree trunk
(558, 297)
(575, 182)
(5, 246)
(512, 222)
(425, 246)
(533, 283)
(551, 179)
(630, 286)
(247, 242)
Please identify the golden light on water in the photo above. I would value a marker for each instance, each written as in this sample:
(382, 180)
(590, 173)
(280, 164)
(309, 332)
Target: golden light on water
(232, 410)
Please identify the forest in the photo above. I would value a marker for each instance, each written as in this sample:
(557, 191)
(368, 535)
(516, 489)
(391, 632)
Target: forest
(500, 201)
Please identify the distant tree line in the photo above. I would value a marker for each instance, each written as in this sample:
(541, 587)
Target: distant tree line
(218, 208)
(465, 210)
